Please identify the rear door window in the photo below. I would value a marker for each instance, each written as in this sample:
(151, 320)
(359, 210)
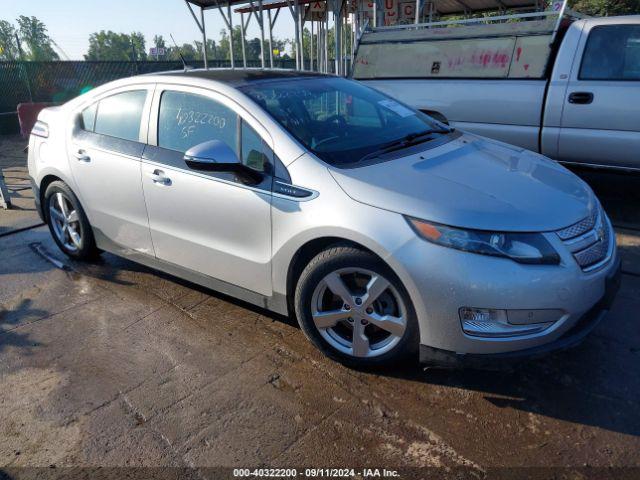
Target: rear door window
(612, 53)
(120, 115)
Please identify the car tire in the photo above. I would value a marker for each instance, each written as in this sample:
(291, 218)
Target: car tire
(315, 303)
(68, 222)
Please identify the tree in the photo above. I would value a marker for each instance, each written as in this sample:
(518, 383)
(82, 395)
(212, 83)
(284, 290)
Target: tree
(606, 7)
(252, 46)
(138, 50)
(188, 51)
(8, 46)
(116, 46)
(158, 42)
(212, 49)
(34, 36)
(224, 46)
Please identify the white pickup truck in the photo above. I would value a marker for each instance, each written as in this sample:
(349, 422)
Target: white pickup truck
(556, 83)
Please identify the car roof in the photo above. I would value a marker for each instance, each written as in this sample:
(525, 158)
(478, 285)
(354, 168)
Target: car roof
(242, 76)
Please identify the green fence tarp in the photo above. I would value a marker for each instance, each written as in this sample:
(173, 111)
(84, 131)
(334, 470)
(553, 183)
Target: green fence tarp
(60, 81)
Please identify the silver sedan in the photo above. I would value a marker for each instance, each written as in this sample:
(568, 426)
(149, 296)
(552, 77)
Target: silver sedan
(387, 234)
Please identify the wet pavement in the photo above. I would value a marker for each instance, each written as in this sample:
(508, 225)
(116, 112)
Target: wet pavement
(113, 364)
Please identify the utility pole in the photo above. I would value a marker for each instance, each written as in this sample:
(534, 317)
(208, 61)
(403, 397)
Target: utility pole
(24, 72)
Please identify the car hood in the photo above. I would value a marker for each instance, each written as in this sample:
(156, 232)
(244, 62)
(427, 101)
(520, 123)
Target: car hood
(473, 182)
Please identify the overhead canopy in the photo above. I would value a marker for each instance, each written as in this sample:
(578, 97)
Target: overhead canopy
(207, 4)
(272, 5)
(443, 7)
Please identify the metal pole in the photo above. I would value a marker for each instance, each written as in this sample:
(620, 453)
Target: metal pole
(294, 14)
(204, 40)
(200, 25)
(318, 45)
(337, 22)
(375, 13)
(301, 20)
(354, 24)
(242, 34)
(230, 35)
(345, 48)
(270, 39)
(417, 14)
(326, 37)
(311, 48)
(261, 33)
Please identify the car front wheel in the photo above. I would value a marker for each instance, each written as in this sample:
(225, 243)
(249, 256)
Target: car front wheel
(353, 307)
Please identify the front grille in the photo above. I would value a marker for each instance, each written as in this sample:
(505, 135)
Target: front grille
(579, 228)
(589, 240)
(594, 253)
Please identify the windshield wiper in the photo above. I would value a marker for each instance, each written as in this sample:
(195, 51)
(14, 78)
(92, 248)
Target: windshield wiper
(406, 141)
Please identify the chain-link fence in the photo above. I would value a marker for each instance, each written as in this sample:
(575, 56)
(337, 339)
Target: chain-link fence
(57, 82)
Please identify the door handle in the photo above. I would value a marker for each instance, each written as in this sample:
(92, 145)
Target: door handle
(581, 98)
(158, 177)
(82, 156)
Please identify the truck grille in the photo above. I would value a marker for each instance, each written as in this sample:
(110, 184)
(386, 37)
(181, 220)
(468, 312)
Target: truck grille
(589, 240)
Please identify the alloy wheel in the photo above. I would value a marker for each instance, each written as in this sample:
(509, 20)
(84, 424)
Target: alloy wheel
(359, 312)
(65, 221)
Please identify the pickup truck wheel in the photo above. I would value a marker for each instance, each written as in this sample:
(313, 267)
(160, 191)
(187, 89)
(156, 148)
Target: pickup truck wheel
(68, 223)
(355, 310)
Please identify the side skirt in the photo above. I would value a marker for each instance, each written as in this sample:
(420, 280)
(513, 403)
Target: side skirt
(276, 303)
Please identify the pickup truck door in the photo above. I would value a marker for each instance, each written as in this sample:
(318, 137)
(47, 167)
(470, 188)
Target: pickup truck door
(600, 122)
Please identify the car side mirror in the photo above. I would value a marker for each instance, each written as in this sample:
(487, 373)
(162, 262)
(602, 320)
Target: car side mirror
(217, 156)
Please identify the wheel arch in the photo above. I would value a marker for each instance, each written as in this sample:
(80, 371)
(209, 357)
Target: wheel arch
(47, 180)
(310, 249)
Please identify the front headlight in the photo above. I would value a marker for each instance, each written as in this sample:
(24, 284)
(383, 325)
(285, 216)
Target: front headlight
(530, 248)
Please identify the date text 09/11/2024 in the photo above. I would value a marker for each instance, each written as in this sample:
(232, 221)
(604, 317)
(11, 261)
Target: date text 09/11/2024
(316, 473)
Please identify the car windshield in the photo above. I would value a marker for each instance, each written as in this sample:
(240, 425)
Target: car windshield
(342, 121)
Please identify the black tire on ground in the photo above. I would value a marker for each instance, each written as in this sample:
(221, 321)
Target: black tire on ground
(342, 256)
(87, 249)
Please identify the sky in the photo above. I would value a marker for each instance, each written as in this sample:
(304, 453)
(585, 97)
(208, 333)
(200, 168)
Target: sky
(70, 22)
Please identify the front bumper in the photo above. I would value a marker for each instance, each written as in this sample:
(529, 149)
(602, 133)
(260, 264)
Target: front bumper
(573, 337)
(441, 281)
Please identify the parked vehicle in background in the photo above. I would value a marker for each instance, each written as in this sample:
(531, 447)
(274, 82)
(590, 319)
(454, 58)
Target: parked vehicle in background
(382, 231)
(551, 82)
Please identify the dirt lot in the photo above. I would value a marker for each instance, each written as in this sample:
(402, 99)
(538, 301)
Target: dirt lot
(113, 364)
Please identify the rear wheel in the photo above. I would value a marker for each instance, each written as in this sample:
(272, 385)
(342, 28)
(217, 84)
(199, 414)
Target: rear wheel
(68, 223)
(355, 309)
